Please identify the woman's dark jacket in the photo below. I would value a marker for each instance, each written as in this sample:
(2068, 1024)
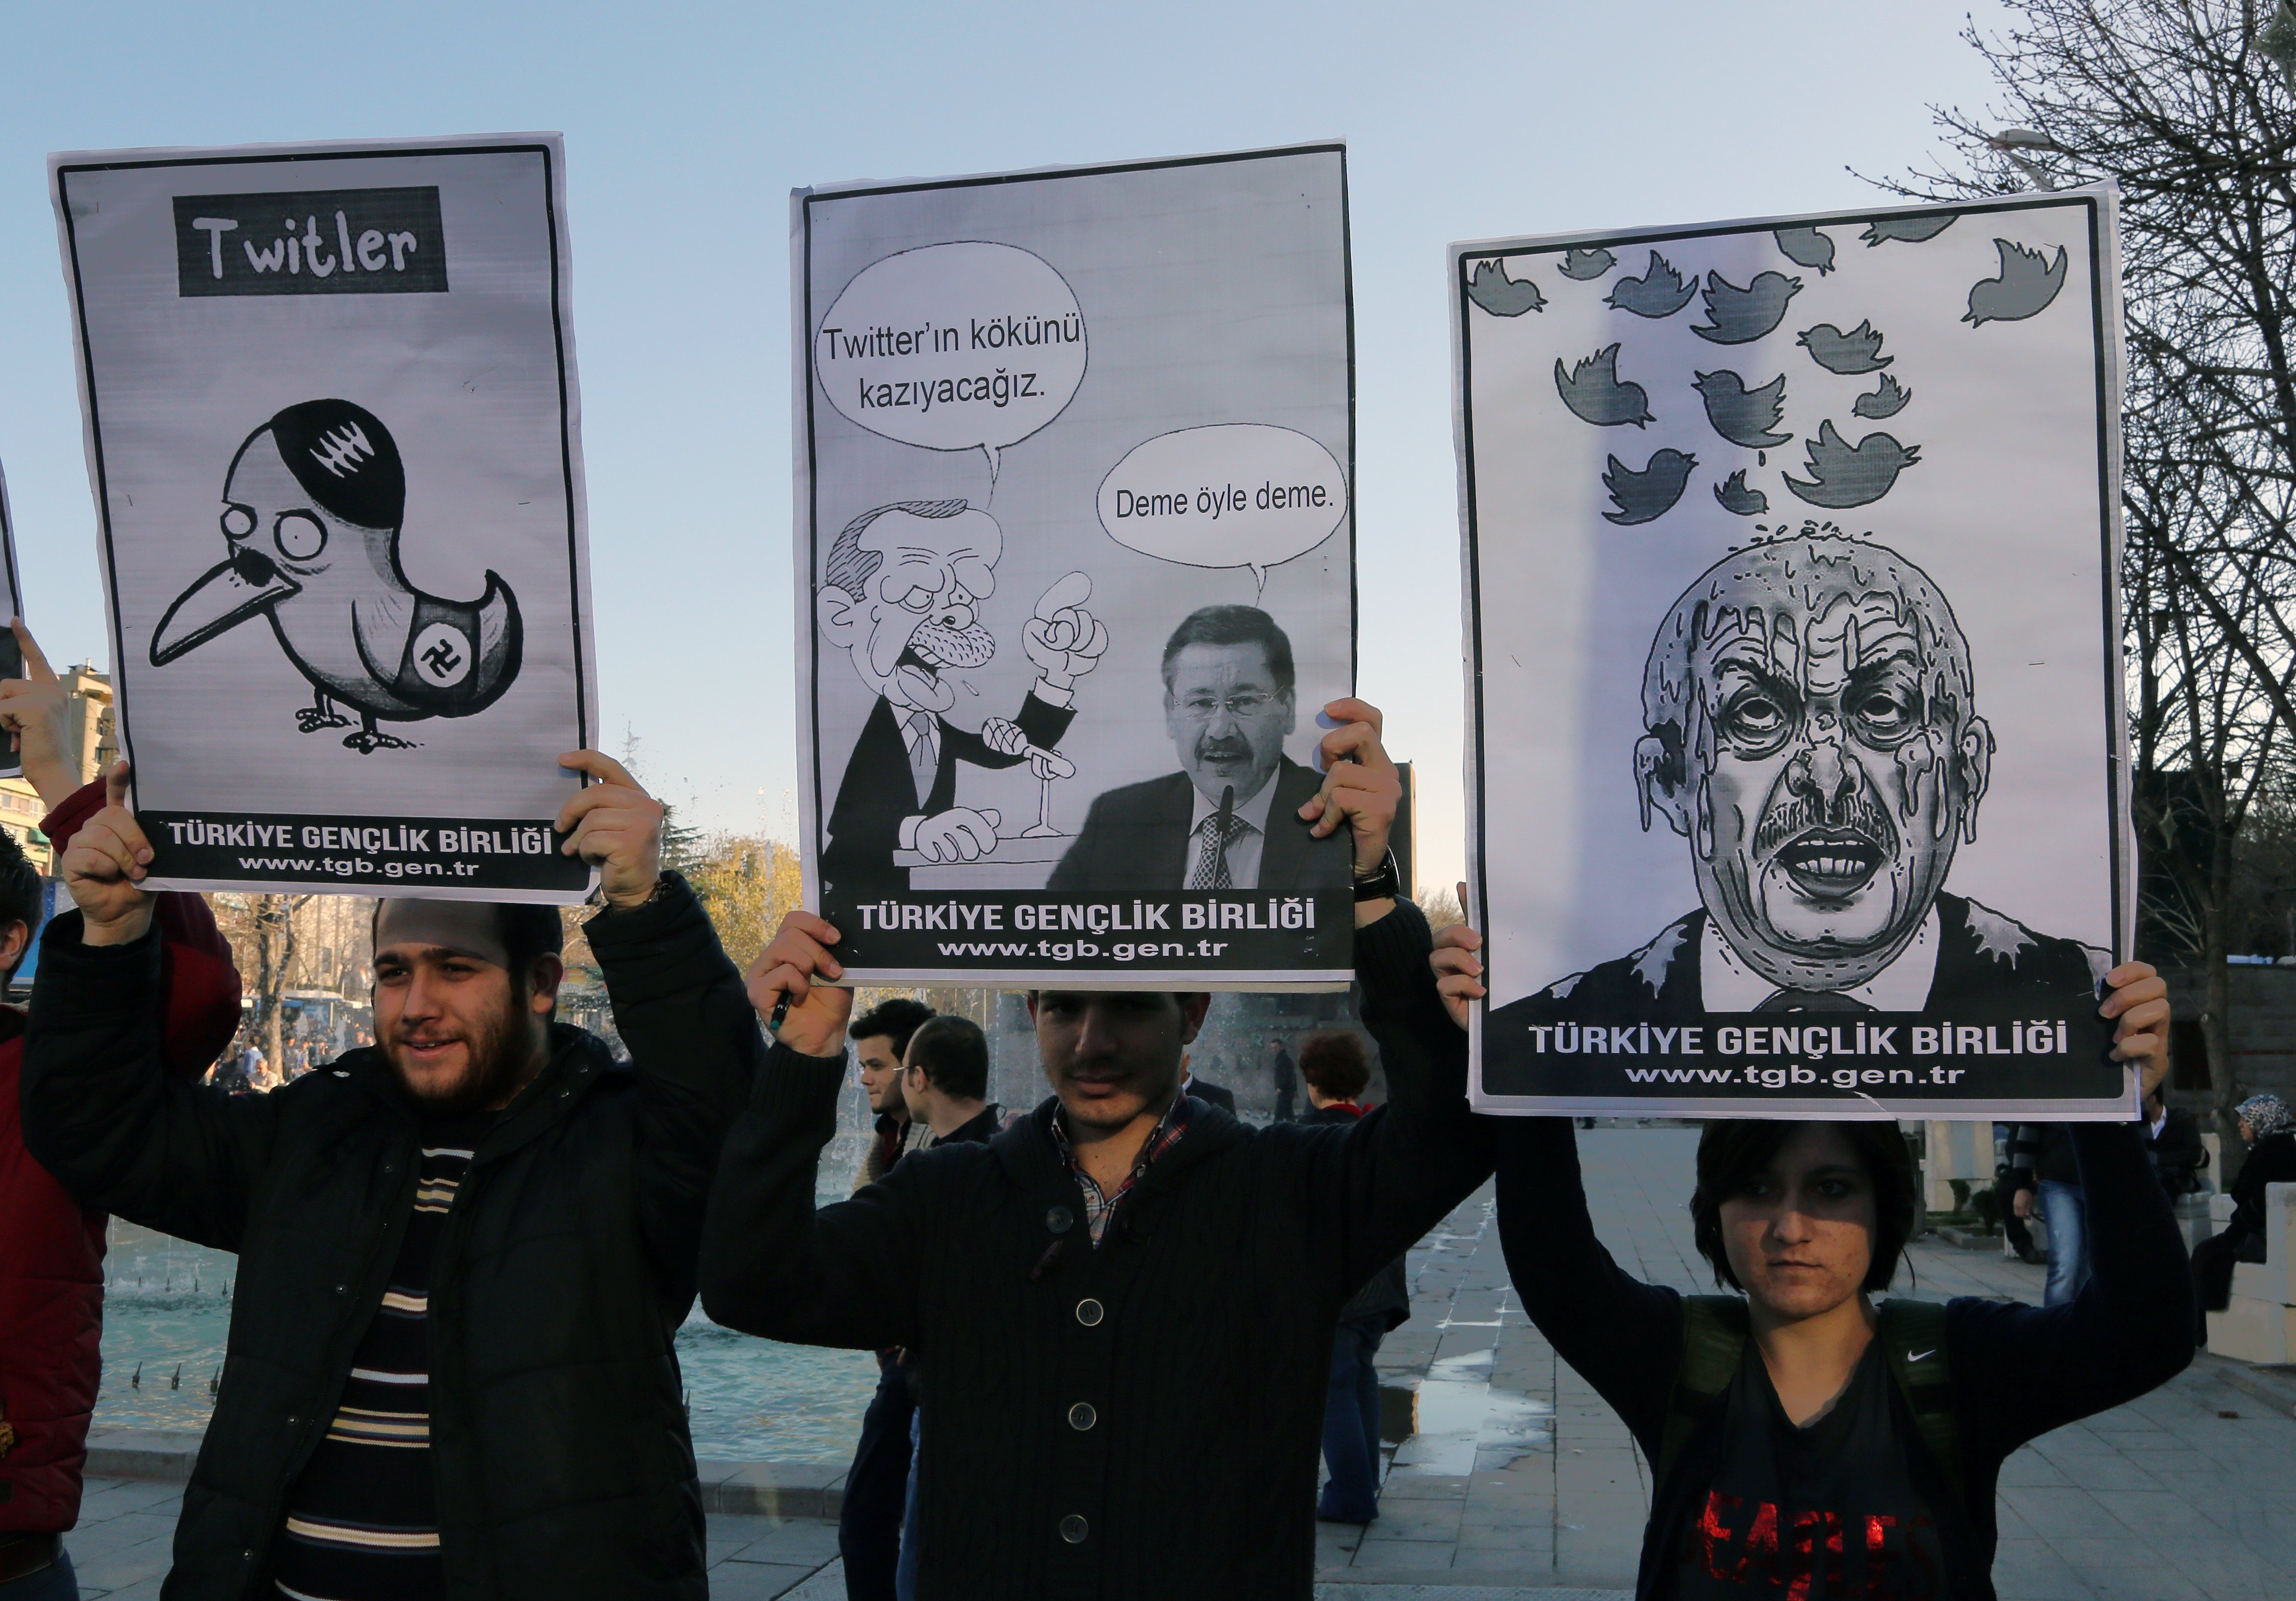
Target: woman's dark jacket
(1138, 1420)
(2271, 1160)
(1385, 1298)
(2017, 1371)
(558, 1436)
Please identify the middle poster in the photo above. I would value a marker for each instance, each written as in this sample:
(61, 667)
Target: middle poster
(1075, 570)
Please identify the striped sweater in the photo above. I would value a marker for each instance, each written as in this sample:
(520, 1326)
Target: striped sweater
(363, 1521)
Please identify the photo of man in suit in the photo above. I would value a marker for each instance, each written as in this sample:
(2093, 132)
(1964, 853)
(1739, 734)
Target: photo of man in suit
(901, 592)
(1810, 729)
(1230, 818)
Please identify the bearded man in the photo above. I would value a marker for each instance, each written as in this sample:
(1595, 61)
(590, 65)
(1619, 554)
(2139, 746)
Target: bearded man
(464, 1251)
(1810, 729)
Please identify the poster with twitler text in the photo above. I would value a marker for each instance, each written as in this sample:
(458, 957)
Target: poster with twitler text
(335, 441)
(1074, 574)
(1792, 582)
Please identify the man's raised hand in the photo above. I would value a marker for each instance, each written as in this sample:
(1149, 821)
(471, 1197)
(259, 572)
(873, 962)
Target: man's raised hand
(1458, 970)
(1361, 788)
(103, 866)
(36, 713)
(813, 1022)
(2139, 998)
(615, 824)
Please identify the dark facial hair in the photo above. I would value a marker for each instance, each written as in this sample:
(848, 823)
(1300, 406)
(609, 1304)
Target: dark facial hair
(500, 1055)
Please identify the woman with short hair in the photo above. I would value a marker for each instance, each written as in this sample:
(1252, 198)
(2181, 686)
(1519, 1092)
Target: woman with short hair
(1804, 1441)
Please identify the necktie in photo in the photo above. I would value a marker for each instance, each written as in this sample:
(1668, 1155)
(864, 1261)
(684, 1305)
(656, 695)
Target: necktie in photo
(1217, 831)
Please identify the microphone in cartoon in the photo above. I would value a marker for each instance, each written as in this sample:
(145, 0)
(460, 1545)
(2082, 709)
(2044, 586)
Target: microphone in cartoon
(312, 507)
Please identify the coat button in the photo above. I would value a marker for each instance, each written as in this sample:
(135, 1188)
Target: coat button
(1059, 1220)
(1089, 1312)
(1081, 1416)
(1073, 1529)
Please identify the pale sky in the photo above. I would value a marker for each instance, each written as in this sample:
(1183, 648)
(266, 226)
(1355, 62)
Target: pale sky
(687, 124)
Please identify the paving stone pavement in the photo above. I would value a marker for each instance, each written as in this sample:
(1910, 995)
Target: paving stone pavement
(1522, 1478)
(1520, 1483)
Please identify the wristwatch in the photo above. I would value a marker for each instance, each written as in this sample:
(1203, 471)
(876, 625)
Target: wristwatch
(1383, 883)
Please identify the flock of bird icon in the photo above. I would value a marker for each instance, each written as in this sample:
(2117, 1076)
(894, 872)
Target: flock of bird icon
(1839, 473)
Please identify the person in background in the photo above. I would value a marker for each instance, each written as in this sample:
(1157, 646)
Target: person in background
(2009, 1185)
(548, 1194)
(1286, 1075)
(1337, 1070)
(51, 1247)
(876, 1490)
(2270, 1131)
(2172, 1136)
(1210, 1094)
(2044, 1151)
(945, 1075)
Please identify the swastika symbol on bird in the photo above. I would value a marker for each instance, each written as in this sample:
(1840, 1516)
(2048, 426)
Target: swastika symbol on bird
(442, 654)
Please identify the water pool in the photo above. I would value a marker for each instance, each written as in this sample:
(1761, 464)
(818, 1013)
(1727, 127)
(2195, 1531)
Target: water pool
(167, 1305)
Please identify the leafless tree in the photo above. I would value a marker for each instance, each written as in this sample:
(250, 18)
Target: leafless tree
(2174, 101)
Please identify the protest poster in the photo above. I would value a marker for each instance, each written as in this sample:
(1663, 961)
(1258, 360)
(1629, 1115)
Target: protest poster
(1792, 558)
(335, 442)
(11, 654)
(1075, 570)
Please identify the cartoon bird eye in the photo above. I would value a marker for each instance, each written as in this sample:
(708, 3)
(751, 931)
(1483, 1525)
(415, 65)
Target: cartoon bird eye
(299, 534)
(238, 522)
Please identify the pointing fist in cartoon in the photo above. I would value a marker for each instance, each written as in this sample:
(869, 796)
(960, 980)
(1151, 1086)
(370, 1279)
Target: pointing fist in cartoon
(1004, 736)
(1064, 639)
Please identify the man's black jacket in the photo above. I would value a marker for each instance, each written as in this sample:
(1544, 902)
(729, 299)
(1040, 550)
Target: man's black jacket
(558, 1436)
(1138, 1420)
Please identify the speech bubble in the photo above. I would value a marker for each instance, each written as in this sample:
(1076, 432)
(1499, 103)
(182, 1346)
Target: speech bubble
(1230, 494)
(954, 347)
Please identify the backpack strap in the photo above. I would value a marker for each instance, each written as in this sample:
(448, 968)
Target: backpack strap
(1913, 1335)
(1713, 1344)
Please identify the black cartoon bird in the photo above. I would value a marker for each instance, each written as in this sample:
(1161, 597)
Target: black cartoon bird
(1742, 415)
(1501, 295)
(1734, 496)
(2027, 284)
(1649, 495)
(1917, 229)
(1736, 314)
(1659, 292)
(1806, 247)
(312, 507)
(1857, 351)
(1594, 392)
(1583, 265)
(1887, 400)
(1847, 475)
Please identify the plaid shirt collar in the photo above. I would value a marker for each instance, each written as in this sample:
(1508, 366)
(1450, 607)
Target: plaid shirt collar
(1099, 1204)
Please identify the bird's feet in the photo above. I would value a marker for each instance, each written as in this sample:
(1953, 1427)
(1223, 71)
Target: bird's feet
(311, 719)
(369, 740)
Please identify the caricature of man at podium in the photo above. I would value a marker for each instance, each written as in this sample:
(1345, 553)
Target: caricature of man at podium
(901, 593)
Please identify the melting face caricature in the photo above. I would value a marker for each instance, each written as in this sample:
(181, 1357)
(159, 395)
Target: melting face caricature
(1812, 732)
(312, 505)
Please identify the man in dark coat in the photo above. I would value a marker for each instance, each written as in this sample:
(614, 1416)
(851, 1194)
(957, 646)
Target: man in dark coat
(464, 1253)
(1125, 1292)
(1230, 818)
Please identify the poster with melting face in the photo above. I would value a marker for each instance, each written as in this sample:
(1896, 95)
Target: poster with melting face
(334, 433)
(1075, 570)
(1791, 554)
(11, 654)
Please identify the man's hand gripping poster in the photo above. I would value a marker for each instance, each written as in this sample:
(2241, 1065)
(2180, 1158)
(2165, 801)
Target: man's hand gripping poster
(335, 441)
(1792, 560)
(1075, 570)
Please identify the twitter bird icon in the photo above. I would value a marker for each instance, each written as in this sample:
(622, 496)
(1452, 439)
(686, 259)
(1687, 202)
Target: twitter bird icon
(1857, 351)
(1595, 393)
(1649, 495)
(1917, 229)
(1734, 496)
(1851, 474)
(1806, 247)
(2027, 283)
(1887, 400)
(1491, 288)
(1582, 264)
(1743, 416)
(1735, 316)
(1659, 292)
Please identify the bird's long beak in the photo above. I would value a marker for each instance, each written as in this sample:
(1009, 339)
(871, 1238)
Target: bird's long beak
(225, 596)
